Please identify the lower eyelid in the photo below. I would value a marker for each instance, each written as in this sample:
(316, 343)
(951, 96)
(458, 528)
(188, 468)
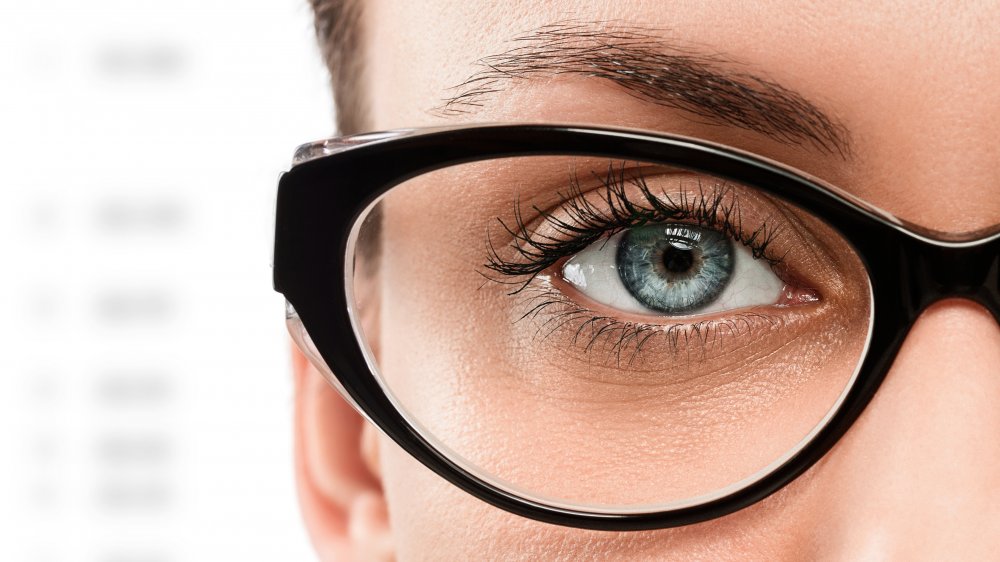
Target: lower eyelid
(576, 333)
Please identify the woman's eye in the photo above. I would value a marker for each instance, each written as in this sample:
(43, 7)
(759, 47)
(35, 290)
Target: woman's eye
(672, 269)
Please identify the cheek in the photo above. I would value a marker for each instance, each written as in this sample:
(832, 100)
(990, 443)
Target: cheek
(433, 520)
(429, 515)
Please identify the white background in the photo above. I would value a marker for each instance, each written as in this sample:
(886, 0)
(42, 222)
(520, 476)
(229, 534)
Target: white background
(145, 389)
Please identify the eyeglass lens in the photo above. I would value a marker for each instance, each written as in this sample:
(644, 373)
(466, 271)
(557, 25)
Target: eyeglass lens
(607, 334)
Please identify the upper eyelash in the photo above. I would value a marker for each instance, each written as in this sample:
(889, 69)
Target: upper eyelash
(586, 223)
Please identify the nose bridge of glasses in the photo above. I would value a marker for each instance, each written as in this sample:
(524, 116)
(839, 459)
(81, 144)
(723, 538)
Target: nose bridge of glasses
(935, 272)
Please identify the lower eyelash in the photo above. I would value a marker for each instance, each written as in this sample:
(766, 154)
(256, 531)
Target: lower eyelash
(624, 341)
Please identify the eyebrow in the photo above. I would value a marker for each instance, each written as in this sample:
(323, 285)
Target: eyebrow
(649, 68)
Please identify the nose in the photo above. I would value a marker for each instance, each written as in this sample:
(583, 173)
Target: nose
(918, 475)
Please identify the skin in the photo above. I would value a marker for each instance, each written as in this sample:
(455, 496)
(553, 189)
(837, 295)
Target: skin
(918, 87)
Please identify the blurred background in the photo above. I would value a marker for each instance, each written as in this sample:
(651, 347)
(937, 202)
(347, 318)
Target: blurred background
(145, 396)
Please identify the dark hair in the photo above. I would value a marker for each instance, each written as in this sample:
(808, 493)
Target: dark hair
(339, 31)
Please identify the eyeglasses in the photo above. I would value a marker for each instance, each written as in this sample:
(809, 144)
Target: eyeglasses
(602, 328)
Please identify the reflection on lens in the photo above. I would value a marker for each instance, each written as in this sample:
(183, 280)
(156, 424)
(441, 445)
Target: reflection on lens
(606, 335)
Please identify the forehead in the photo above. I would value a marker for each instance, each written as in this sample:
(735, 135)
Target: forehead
(916, 85)
(842, 51)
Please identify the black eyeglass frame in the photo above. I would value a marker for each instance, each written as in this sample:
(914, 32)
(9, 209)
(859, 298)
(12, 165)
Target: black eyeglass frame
(322, 197)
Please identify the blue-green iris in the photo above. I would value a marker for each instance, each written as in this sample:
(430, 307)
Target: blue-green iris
(674, 268)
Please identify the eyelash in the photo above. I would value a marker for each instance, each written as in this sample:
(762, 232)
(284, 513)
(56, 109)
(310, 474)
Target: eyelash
(623, 337)
(716, 208)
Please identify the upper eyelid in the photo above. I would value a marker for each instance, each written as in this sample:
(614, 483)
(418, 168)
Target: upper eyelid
(575, 205)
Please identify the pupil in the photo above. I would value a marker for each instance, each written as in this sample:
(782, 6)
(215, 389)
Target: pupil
(677, 260)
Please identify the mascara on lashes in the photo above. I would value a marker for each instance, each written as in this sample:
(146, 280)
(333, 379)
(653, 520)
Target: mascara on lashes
(716, 207)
